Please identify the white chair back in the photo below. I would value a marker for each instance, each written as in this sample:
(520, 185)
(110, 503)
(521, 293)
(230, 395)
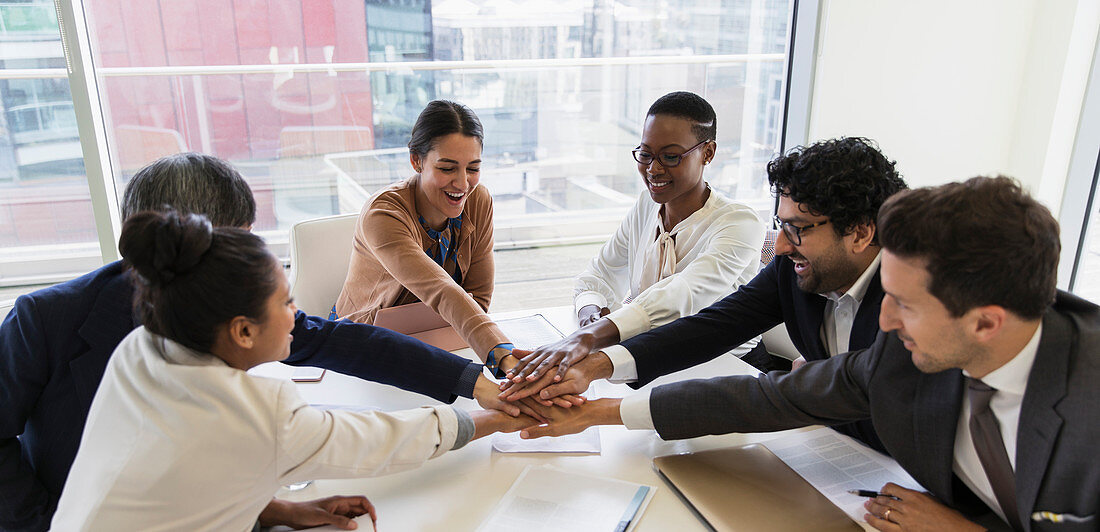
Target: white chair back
(5, 308)
(320, 251)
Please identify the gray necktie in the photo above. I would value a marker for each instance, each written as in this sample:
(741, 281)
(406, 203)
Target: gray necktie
(986, 433)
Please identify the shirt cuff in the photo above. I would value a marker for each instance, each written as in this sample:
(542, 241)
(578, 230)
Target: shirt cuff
(631, 320)
(634, 410)
(467, 380)
(623, 367)
(584, 299)
(466, 428)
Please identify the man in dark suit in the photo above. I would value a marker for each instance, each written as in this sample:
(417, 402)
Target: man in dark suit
(983, 384)
(823, 285)
(55, 344)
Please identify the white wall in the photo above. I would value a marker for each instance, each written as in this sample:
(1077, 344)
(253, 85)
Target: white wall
(953, 89)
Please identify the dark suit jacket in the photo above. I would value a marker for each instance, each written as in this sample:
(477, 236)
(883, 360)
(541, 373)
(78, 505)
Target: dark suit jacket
(770, 298)
(916, 413)
(54, 348)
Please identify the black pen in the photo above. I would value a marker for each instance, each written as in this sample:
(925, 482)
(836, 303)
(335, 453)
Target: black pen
(871, 494)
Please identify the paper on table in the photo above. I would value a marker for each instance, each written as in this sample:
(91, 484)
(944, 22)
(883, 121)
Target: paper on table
(834, 463)
(587, 441)
(546, 498)
(529, 332)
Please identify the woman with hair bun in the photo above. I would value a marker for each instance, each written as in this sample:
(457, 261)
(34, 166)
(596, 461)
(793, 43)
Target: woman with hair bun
(180, 437)
(429, 238)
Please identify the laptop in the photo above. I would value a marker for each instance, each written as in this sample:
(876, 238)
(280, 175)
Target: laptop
(421, 322)
(749, 489)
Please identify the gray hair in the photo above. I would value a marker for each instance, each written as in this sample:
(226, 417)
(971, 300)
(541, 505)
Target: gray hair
(192, 183)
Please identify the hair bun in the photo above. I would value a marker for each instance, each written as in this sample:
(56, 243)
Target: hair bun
(161, 246)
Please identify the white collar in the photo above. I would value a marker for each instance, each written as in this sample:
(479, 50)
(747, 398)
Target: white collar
(859, 288)
(1012, 376)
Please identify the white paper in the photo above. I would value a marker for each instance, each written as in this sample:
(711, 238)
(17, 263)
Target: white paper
(586, 441)
(834, 463)
(546, 499)
(529, 332)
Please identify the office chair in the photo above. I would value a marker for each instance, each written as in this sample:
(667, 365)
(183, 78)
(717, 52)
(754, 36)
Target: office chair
(320, 251)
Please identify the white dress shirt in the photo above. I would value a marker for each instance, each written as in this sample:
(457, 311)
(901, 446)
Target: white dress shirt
(841, 309)
(1010, 381)
(178, 440)
(716, 248)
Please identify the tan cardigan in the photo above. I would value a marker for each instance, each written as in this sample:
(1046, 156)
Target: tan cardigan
(389, 265)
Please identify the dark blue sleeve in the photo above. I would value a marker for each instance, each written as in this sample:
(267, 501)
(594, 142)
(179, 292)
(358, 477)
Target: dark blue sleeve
(381, 355)
(695, 339)
(24, 372)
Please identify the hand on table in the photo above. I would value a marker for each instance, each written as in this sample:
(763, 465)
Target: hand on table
(913, 510)
(572, 420)
(337, 511)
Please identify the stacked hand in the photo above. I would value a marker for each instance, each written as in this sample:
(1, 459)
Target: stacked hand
(563, 390)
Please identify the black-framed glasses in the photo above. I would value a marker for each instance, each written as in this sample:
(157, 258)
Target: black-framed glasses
(794, 232)
(667, 160)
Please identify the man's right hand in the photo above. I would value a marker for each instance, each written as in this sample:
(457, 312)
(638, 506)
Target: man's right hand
(576, 380)
(590, 313)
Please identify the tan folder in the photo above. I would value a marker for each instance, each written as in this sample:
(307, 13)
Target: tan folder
(421, 322)
(749, 489)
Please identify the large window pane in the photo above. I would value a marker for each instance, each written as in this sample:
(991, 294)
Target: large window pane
(314, 100)
(45, 206)
(1087, 280)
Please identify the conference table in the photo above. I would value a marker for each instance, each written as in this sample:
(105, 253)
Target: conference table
(459, 490)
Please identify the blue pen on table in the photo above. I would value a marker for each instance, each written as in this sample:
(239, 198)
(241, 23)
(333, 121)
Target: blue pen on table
(871, 494)
(632, 509)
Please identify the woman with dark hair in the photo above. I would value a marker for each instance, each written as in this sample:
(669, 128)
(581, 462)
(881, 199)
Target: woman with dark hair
(429, 238)
(180, 437)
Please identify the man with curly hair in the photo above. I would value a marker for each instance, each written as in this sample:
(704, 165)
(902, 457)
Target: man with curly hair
(823, 284)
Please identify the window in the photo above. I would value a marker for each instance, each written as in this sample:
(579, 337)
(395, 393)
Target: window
(313, 100)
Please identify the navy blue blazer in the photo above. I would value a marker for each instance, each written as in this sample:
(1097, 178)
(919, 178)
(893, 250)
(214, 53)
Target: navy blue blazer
(770, 298)
(54, 348)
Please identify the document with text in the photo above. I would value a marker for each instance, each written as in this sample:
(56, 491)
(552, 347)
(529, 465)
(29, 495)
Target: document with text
(834, 463)
(529, 332)
(546, 498)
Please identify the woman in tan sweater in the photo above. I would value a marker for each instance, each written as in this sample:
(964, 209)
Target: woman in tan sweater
(430, 237)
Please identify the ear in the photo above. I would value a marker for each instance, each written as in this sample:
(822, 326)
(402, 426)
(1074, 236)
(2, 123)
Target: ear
(414, 161)
(985, 323)
(862, 235)
(242, 332)
(708, 151)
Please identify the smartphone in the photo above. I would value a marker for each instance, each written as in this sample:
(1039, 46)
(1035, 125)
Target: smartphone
(307, 374)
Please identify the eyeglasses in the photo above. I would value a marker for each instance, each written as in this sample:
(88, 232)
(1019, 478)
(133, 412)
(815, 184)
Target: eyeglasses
(794, 232)
(667, 160)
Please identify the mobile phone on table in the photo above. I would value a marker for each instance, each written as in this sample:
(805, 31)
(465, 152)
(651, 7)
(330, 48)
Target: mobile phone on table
(307, 374)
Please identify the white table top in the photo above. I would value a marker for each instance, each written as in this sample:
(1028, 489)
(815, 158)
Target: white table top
(459, 490)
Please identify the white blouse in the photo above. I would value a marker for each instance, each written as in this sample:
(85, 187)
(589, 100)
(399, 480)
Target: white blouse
(178, 440)
(716, 248)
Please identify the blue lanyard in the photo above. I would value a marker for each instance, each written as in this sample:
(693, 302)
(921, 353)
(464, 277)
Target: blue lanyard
(446, 246)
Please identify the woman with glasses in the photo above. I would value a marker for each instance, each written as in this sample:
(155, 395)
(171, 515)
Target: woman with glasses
(429, 238)
(180, 437)
(681, 247)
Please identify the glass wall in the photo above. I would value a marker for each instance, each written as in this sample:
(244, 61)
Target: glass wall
(1087, 279)
(313, 100)
(45, 210)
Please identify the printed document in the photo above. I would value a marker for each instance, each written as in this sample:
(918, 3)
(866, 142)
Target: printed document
(549, 499)
(529, 332)
(834, 463)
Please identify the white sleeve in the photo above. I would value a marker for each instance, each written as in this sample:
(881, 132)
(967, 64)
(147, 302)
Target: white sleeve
(623, 367)
(606, 280)
(635, 413)
(313, 443)
(731, 257)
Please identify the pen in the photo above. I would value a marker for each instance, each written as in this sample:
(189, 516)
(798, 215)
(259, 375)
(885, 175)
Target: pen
(871, 493)
(632, 509)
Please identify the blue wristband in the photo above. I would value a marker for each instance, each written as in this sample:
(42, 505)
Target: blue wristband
(492, 363)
